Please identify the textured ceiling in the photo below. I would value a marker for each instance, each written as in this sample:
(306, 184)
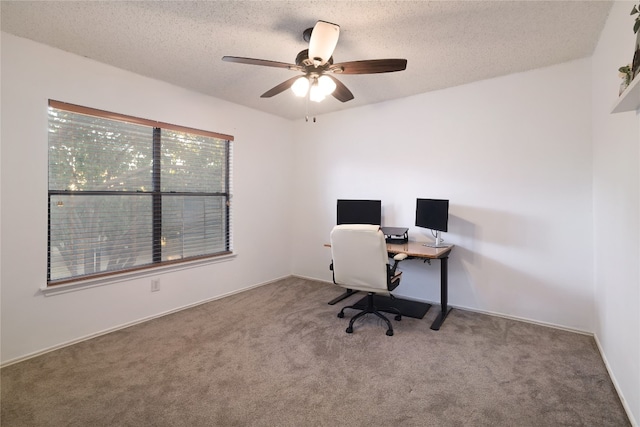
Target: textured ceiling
(446, 43)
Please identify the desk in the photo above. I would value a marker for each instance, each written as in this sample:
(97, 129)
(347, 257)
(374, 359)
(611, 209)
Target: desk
(418, 250)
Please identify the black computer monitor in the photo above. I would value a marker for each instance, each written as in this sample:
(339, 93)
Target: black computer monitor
(434, 215)
(359, 212)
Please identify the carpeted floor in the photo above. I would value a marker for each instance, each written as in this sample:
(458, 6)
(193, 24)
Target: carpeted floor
(278, 356)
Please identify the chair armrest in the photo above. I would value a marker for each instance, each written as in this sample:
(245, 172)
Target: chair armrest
(400, 257)
(396, 258)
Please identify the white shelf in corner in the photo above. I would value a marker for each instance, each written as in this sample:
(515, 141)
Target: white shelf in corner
(629, 100)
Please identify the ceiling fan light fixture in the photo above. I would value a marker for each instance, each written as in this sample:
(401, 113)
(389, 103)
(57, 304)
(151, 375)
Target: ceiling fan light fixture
(300, 87)
(315, 92)
(327, 84)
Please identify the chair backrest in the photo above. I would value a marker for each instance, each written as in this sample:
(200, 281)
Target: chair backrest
(360, 257)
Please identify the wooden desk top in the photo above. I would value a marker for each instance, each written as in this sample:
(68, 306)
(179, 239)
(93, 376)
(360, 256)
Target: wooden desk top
(415, 249)
(418, 250)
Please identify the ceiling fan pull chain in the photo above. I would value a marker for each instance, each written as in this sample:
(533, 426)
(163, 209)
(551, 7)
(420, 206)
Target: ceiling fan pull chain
(306, 105)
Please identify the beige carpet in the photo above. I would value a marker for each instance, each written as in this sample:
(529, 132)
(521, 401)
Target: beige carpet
(278, 356)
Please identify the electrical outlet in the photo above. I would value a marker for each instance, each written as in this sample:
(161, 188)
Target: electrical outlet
(155, 285)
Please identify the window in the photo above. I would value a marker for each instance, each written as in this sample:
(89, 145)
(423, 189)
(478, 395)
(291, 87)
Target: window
(128, 193)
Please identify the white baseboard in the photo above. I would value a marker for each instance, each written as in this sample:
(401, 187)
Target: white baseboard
(315, 279)
(523, 319)
(625, 405)
(129, 324)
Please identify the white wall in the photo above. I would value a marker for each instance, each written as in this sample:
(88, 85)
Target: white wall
(513, 156)
(616, 195)
(31, 74)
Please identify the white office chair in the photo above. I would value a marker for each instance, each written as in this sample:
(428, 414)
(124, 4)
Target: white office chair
(361, 262)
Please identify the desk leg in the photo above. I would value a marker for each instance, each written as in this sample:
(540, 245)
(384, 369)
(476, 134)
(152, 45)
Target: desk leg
(444, 297)
(339, 298)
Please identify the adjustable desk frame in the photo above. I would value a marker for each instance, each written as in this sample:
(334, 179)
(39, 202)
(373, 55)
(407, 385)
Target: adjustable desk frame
(418, 250)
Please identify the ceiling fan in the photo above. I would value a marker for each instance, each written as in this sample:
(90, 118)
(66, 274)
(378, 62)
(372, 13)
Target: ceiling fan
(317, 65)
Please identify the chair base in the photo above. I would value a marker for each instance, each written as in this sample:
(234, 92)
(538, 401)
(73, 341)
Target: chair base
(369, 308)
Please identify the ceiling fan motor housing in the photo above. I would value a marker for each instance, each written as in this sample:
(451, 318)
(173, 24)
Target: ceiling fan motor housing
(303, 60)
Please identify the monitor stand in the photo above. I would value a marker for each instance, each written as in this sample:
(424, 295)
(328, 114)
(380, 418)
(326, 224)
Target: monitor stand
(438, 243)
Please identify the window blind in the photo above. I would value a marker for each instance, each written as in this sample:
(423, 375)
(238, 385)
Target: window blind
(127, 193)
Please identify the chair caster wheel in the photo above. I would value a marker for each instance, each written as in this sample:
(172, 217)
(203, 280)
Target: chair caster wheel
(341, 315)
(349, 330)
(398, 317)
(389, 332)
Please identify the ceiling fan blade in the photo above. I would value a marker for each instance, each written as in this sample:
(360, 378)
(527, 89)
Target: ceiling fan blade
(324, 39)
(263, 62)
(370, 66)
(280, 88)
(341, 93)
